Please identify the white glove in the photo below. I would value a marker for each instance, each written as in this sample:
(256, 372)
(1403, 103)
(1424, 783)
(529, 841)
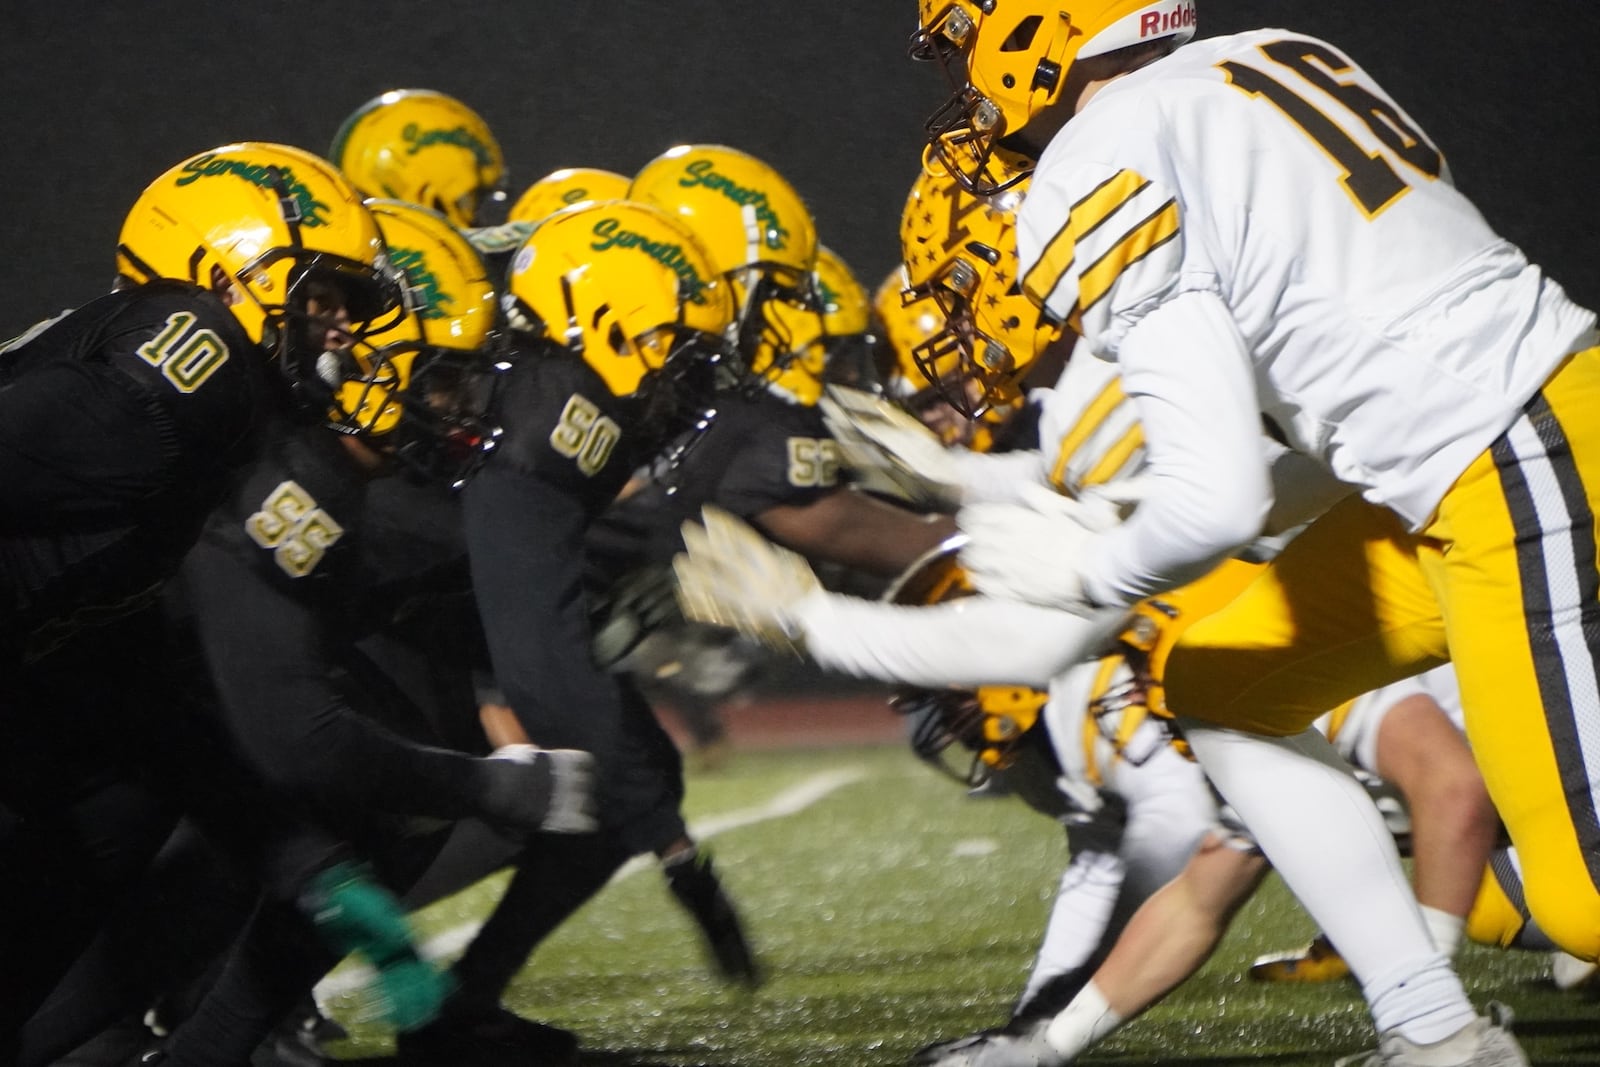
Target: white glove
(1032, 551)
(731, 576)
(890, 451)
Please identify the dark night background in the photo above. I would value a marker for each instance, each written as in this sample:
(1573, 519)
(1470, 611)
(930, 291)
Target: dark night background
(99, 98)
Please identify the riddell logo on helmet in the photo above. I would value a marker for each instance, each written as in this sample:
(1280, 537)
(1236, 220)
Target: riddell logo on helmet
(1156, 23)
(264, 175)
(612, 235)
(703, 172)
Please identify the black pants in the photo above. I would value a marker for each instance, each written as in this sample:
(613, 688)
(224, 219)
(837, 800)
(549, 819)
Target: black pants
(102, 747)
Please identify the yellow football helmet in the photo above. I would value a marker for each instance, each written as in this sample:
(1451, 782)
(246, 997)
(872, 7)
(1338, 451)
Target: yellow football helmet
(965, 249)
(757, 230)
(425, 147)
(906, 321)
(1007, 60)
(627, 287)
(277, 223)
(941, 217)
(990, 721)
(819, 339)
(847, 323)
(563, 188)
(422, 383)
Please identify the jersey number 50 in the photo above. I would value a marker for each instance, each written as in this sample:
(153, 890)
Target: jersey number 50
(584, 435)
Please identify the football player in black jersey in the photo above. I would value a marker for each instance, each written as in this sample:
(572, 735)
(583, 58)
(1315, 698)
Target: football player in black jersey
(324, 559)
(599, 297)
(616, 325)
(121, 424)
(307, 562)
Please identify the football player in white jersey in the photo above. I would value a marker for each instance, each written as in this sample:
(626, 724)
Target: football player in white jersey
(1003, 645)
(1089, 437)
(1256, 232)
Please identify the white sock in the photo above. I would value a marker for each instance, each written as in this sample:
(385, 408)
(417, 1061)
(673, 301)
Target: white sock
(1425, 1005)
(1082, 1023)
(1444, 928)
(1324, 837)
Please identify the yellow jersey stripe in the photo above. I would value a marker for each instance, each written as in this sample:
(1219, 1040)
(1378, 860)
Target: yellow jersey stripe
(1116, 457)
(1105, 200)
(1086, 216)
(1090, 421)
(1153, 231)
(1054, 262)
(1104, 672)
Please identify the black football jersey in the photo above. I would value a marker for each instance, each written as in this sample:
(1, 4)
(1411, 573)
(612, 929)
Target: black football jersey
(568, 449)
(308, 523)
(759, 451)
(294, 518)
(121, 424)
(308, 556)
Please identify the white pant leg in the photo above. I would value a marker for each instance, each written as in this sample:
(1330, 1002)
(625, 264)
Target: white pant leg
(1166, 806)
(1321, 832)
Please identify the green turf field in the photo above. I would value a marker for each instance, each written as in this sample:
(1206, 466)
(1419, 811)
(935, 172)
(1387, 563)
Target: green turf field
(890, 910)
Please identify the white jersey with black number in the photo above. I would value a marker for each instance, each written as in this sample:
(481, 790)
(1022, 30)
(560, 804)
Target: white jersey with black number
(1391, 334)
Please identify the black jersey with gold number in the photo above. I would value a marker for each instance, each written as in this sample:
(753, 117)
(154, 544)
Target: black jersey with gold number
(120, 425)
(759, 451)
(568, 449)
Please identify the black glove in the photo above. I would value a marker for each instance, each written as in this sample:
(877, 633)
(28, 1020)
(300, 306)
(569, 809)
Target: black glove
(527, 789)
(639, 604)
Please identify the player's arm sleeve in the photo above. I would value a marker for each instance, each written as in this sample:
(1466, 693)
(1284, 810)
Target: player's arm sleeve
(968, 642)
(525, 542)
(998, 478)
(76, 443)
(276, 697)
(1302, 489)
(1186, 369)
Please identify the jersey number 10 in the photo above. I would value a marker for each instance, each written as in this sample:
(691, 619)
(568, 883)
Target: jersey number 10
(1370, 178)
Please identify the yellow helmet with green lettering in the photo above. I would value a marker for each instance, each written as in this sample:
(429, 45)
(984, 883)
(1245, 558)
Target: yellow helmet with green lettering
(425, 147)
(624, 285)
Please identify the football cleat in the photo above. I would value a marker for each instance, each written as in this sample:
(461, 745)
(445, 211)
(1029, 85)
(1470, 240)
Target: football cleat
(694, 883)
(1484, 1042)
(992, 1048)
(1569, 972)
(499, 1037)
(1317, 962)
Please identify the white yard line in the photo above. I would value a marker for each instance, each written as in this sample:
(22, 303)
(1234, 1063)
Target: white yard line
(791, 801)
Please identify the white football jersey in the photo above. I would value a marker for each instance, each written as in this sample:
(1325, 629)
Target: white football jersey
(1392, 334)
(1088, 433)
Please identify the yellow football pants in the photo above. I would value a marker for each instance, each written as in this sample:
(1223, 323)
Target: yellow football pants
(1498, 915)
(1505, 578)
